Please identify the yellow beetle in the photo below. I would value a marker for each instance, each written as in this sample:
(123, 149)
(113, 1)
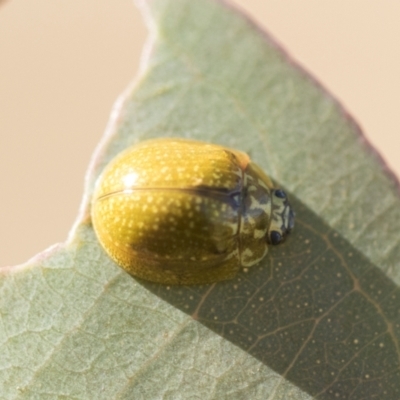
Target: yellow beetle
(178, 211)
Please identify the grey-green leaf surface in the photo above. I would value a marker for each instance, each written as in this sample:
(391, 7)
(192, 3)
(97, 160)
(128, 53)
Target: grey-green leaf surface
(318, 318)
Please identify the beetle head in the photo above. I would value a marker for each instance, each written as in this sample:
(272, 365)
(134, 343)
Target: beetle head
(282, 217)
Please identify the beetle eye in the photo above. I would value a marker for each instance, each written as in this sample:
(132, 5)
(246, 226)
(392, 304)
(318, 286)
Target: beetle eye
(275, 237)
(280, 193)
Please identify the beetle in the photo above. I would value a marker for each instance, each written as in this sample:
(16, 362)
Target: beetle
(179, 211)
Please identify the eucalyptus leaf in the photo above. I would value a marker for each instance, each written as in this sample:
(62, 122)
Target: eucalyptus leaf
(318, 318)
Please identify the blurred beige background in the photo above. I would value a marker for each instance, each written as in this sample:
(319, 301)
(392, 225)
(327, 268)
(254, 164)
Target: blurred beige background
(62, 65)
